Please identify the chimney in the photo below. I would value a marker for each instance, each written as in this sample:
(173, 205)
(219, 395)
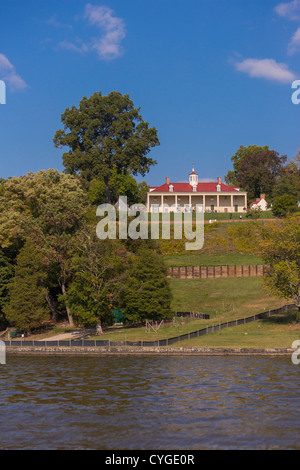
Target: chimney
(262, 196)
(219, 180)
(168, 180)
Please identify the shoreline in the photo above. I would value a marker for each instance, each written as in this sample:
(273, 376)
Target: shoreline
(143, 351)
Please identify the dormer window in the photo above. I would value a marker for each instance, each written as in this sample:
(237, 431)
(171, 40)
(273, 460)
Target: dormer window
(218, 187)
(195, 189)
(171, 188)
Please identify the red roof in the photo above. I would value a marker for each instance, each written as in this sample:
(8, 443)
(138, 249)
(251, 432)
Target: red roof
(255, 202)
(187, 188)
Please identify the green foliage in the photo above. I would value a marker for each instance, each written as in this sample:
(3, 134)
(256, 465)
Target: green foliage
(28, 308)
(256, 170)
(147, 294)
(121, 184)
(289, 182)
(49, 207)
(253, 213)
(280, 249)
(104, 134)
(243, 152)
(6, 275)
(284, 205)
(97, 269)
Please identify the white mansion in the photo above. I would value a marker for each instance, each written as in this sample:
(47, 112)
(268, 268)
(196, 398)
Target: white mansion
(184, 197)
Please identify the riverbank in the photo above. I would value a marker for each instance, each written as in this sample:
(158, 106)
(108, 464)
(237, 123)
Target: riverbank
(144, 351)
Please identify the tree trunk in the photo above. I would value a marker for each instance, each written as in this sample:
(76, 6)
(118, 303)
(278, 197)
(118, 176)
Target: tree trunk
(70, 318)
(52, 307)
(99, 330)
(107, 190)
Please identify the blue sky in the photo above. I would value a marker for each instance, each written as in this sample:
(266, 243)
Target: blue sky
(210, 75)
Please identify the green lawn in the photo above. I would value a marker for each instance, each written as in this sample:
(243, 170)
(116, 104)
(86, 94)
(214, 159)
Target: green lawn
(223, 299)
(224, 216)
(275, 332)
(202, 259)
(236, 215)
(219, 297)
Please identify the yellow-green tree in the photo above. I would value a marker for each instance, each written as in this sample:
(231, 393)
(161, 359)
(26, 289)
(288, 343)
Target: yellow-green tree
(280, 249)
(49, 208)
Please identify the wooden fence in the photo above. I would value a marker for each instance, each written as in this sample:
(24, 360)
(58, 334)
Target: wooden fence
(205, 272)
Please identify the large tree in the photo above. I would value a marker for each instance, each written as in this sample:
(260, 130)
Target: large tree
(49, 207)
(105, 133)
(288, 183)
(243, 152)
(98, 268)
(146, 293)
(6, 275)
(256, 170)
(28, 307)
(280, 249)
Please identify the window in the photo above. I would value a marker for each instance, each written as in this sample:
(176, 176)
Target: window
(171, 188)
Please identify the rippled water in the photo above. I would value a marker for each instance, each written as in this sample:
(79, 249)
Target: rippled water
(149, 403)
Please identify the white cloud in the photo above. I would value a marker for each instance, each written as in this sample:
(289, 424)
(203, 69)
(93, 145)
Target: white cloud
(107, 46)
(70, 46)
(53, 21)
(9, 75)
(268, 69)
(290, 10)
(294, 44)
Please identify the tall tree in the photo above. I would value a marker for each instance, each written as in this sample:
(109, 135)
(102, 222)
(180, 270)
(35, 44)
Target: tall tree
(146, 294)
(280, 249)
(243, 152)
(103, 134)
(288, 183)
(28, 307)
(49, 207)
(258, 172)
(6, 275)
(98, 271)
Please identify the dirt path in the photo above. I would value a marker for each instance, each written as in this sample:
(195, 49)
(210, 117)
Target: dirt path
(65, 336)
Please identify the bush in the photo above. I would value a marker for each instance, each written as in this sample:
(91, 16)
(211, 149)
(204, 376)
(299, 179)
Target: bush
(284, 205)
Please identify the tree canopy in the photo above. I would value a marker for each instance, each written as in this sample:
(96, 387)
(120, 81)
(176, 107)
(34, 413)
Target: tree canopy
(27, 308)
(280, 249)
(106, 134)
(256, 170)
(49, 208)
(146, 294)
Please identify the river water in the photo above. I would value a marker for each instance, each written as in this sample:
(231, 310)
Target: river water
(151, 403)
